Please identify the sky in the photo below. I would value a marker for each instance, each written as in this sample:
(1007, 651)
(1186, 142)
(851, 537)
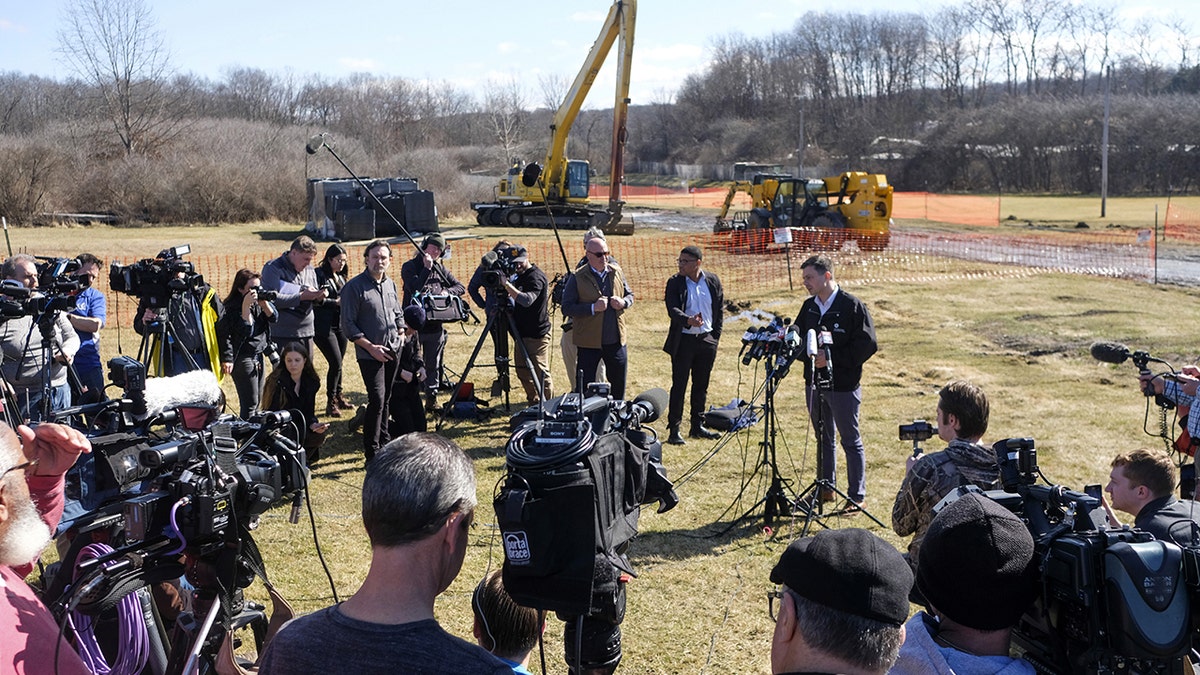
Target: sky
(463, 42)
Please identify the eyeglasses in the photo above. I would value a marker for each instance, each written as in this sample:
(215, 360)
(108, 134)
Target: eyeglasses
(775, 602)
(598, 254)
(686, 261)
(23, 465)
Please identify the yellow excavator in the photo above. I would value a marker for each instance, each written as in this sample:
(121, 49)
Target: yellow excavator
(555, 193)
(830, 211)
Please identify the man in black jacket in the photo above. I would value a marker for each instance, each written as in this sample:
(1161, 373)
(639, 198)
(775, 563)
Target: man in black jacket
(529, 293)
(425, 273)
(834, 400)
(694, 300)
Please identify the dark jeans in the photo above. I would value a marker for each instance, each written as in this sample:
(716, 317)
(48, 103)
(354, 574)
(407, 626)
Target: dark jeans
(332, 345)
(615, 362)
(693, 357)
(838, 413)
(432, 347)
(248, 378)
(406, 410)
(377, 378)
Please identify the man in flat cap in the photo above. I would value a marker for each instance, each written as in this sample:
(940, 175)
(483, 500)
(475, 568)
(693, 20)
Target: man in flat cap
(841, 606)
(694, 299)
(426, 273)
(976, 572)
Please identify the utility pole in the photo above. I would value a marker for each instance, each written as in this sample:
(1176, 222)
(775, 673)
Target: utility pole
(1104, 144)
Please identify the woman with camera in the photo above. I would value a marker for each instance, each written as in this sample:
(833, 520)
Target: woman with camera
(293, 386)
(247, 320)
(327, 321)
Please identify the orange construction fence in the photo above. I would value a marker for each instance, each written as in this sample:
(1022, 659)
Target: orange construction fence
(1181, 223)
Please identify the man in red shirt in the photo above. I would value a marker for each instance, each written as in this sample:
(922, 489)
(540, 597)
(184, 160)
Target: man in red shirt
(31, 504)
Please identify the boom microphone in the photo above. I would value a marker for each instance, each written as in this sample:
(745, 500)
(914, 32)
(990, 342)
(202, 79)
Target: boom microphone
(1110, 352)
(196, 388)
(315, 143)
(649, 405)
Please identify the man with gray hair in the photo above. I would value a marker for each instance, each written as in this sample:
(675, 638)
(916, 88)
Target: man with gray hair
(31, 504)
(418, 502)
(31, 366)
(295, 279)
(569, 351)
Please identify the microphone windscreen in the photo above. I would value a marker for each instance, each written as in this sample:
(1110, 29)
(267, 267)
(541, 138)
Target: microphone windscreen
(196, 388)
(657, 398)
(810, 345)
(1110, 352)
(315, 143)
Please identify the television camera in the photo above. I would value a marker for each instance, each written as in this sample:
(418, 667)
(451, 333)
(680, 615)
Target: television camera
(579, 468)
(498, 264)
(58, 282)
(1109, 600)
(195, 492)
(156, 279)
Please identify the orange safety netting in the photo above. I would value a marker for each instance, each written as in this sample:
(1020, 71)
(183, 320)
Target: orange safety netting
(958, 209)
(1181, 223)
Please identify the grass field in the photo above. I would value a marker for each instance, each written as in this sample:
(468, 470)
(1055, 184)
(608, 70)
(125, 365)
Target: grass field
(698, 604)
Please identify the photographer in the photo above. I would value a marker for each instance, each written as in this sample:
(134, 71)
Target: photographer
(529, 292)
(327, 325)
(31, 503)
(293, 277)
(978, 572)
(27, 367)
(1141, 484)
(962, 419)
(426, 274)
(247, 326)
(195, 322)
(88, 317)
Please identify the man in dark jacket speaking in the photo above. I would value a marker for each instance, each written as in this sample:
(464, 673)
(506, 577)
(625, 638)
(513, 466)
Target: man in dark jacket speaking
(834, 395)
(694, 299)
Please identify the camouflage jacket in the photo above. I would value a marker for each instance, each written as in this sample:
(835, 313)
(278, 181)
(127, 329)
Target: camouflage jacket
(934, 476)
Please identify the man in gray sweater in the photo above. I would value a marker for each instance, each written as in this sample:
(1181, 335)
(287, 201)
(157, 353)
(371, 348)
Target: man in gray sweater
(373, 320)
(293, 277)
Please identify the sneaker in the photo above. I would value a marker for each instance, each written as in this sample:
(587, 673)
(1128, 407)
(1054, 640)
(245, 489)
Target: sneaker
(701, 432)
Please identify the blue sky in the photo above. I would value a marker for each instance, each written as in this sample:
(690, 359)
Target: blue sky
(464, 42)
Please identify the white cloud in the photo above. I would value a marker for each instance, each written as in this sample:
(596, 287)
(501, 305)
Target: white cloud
(508, 47)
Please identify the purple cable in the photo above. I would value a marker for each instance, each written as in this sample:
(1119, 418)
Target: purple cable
(175, 526)
(133, 642)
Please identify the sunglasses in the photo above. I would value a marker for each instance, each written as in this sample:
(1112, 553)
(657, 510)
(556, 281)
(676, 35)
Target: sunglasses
(23, 465)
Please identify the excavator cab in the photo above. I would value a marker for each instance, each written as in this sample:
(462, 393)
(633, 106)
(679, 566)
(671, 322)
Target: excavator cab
(578, 179)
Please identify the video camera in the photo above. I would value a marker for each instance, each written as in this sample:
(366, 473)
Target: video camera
(499, 264)
(1110, 600)
(578, 472)
(156, 279)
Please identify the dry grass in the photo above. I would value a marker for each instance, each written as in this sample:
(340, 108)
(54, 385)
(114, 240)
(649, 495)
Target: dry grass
(698, 604)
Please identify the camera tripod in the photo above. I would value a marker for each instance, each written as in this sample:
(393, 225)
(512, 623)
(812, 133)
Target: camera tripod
(500, 326)
(811, 500)
(168, 342)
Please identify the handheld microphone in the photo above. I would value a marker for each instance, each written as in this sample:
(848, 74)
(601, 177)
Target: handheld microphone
(811, 343)
(1110, 352)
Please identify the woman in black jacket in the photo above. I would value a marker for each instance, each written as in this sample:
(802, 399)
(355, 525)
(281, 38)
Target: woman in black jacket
(246, 322)
(293, 386)
(331, 276)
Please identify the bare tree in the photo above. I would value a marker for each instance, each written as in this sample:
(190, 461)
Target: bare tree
(554, 88)
(504, 104)
(114, 47)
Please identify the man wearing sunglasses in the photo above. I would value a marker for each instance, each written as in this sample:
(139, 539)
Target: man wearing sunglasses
(32, 465)
(596, 297)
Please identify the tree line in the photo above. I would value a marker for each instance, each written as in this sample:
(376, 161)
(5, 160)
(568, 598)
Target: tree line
(997, 95)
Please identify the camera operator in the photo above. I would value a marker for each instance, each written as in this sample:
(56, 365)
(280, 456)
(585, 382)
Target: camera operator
(25, 364)
(529, 292)
(195, 321)
(979, 575)
(418, 503)
(247, 326)
(841, 606)
(88, 317)
(293, 277)
(962, 419)
(504, 628)
(31, 503)
(372, 319)
(849, 324)
(1141, 484)
(1179, 389)
(425, 273)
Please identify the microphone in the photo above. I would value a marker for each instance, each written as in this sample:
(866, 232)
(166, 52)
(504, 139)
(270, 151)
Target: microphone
(791, 339)
(197, 388)
(811, 344)
(315, 143)
(649, 405)
(1110, 352)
